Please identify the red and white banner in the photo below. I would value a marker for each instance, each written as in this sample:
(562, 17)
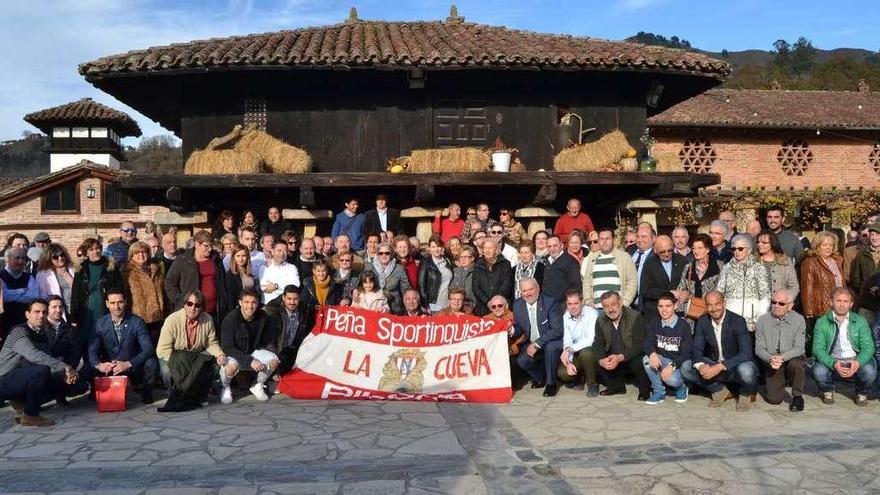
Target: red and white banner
(360, 354)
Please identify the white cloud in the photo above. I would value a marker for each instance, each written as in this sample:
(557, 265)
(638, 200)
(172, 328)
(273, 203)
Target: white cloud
(42, 46)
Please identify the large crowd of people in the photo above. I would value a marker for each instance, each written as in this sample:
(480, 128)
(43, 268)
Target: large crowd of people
(724, 313)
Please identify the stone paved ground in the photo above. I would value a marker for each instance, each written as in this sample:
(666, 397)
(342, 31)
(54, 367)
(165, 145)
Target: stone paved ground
(569, 444)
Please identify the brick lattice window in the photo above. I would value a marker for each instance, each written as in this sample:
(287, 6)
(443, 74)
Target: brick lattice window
(795, 157)
(255, 112)
(697, 156)
(874, 158)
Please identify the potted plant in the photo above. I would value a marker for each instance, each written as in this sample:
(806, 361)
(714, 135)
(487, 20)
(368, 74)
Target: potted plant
(502, 156)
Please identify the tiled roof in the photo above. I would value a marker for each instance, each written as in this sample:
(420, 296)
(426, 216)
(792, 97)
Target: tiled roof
(12, 188)
(429, 44)
(775, 109)
(85, 110)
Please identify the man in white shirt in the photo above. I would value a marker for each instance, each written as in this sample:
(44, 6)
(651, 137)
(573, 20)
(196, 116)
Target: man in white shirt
(278, 273)
(579, 331)
(722, 355)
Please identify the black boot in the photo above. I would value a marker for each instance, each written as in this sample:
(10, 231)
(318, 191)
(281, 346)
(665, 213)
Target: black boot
(147, 394)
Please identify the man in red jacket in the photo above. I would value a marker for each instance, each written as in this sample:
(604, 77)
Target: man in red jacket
(572, 219)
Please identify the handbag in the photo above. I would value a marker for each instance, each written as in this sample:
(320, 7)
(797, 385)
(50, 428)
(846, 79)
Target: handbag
(696, 305)
(110, 393)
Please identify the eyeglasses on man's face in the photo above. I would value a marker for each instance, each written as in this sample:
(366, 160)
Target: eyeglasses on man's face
(193, 304)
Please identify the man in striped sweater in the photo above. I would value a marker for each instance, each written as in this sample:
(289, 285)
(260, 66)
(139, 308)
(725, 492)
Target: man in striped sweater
(26, 372)
(608, 269)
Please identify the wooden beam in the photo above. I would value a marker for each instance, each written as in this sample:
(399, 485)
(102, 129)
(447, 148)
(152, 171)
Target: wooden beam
(424, 193)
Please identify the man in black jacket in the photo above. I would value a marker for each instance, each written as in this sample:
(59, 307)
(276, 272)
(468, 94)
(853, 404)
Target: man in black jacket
(561, 271)
(620, 336)
(661, 274)
(294, 321)
(382, 219)
(722, 355)
(248, 337)
(274, 225)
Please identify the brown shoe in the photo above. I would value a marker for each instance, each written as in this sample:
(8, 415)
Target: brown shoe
(18, 406)
(718, 398)
(743, 403)
(35, 421)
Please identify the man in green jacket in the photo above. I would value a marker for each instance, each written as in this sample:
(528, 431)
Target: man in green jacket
(843, 347)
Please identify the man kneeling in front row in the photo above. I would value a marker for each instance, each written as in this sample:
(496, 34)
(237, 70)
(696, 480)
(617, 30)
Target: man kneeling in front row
(779, 344)
(248, 337)
(844, 348)
(722, 355)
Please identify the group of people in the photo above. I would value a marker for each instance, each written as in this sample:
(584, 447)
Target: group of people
(717, 311)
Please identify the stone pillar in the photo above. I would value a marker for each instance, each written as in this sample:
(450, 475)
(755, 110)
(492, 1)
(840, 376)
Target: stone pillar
(645, 210)
(309, 218)
(536, 218)
(424, 220)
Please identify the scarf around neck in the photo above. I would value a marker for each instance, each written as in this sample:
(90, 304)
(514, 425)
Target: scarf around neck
(383, 273)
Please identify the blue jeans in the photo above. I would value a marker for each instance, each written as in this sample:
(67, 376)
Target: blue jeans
(864, 377)
(745, 375)
(542, 367)
(675, 380)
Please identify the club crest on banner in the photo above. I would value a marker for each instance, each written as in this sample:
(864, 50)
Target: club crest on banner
(404, 371)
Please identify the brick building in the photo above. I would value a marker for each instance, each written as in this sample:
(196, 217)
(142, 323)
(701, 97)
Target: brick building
(794, 147)
(81, 196)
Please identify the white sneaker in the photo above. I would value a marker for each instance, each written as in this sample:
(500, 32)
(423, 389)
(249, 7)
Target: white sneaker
(259, 392)
(226, 395)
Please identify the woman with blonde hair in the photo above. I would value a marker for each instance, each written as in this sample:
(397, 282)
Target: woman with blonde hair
(144, 287)
(821, 273)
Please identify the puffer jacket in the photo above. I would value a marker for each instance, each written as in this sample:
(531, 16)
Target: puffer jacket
(817, 282)
(746, 288)
(783, 275)
(145, 291)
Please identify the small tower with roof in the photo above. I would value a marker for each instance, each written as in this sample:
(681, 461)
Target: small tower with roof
(84, 130)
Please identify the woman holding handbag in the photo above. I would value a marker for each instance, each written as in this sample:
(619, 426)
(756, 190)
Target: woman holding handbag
(699, 278)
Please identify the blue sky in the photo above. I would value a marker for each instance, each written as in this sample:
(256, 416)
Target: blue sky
(42, 42)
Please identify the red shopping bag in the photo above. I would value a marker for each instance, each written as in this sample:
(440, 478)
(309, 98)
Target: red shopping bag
(110, 393)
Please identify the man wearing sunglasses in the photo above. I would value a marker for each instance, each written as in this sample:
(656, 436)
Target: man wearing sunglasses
(496, 232)
(780, 337)
(118, 249)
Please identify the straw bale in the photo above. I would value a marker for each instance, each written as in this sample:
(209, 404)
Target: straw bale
(667, 161)
(209, 162)
(279, 157)
(449, 160)
(595, 156)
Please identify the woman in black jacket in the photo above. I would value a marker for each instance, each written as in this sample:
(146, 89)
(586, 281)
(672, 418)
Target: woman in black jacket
(435, 276)
(492, 277)
(95, 275)
(240, 276)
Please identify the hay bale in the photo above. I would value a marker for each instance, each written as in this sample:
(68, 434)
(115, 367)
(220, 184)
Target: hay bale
(279, 157)
(449, 160)
(591, 157)
(210, 162)
(667, 161)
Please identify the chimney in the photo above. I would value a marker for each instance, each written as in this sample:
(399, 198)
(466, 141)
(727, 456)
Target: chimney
(863, 86)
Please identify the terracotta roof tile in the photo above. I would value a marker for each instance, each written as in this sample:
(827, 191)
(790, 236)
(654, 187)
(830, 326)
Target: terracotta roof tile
(405, 44)
(85, 110)
(775, 109)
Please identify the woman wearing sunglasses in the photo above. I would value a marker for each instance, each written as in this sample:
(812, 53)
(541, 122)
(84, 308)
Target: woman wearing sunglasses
(55, 275)
(745, 282)
(513, 230)
(390, 276)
